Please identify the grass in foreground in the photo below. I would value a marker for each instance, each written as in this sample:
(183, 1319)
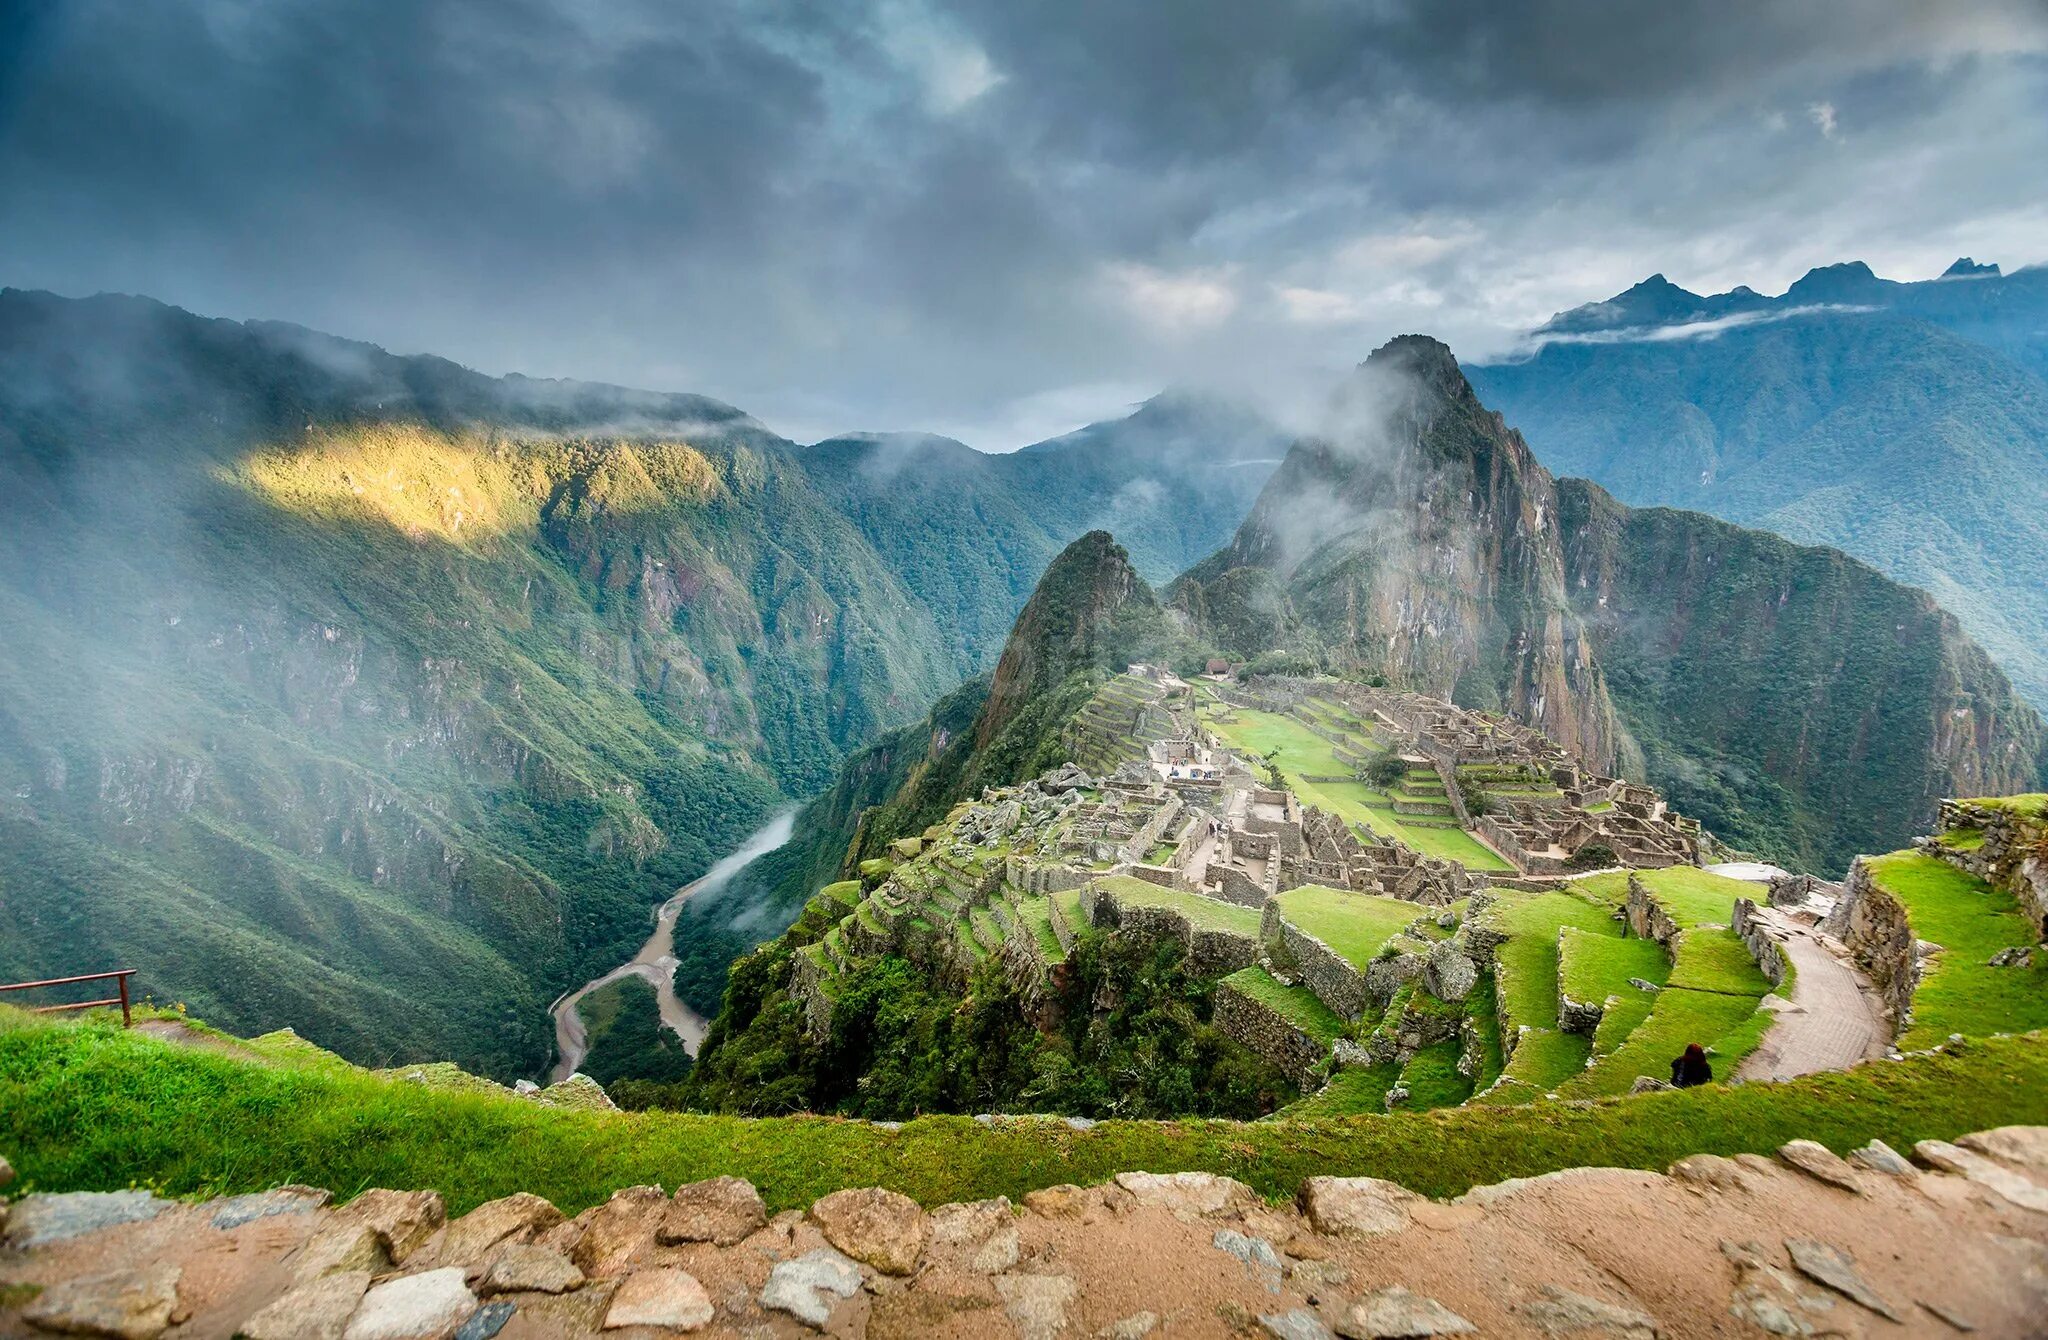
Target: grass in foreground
(85, 1106)
(1971, 921)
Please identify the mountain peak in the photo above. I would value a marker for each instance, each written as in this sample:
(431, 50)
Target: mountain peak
(1966, 267)
(1424, 359)
(1828, 283)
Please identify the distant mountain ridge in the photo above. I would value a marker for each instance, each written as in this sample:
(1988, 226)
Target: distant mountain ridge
(1904, 423)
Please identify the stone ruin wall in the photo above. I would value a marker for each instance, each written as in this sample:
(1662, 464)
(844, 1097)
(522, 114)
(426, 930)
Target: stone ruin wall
(1762, 945)
(1315, 965)
(2014, 856)
(1271, 1034)
(1873, 925)
(1647, 918)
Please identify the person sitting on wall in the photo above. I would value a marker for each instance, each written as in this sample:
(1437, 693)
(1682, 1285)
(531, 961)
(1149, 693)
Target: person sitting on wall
(1691, 1069)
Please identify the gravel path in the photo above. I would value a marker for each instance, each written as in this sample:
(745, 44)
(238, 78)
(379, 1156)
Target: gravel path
(1835, 1018)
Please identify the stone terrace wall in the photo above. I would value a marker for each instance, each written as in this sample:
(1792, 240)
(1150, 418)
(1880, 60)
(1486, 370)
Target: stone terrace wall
(1647, 917)
(2014, 856)
(1873, 925)
(1762, 945)
(1270, 1034)
(1316, 966)
(1210, 953)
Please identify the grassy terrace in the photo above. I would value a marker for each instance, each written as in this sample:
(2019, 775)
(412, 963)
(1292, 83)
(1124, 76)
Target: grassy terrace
(1593, 966)
(1710, 998)
(1545, 1056)
(1692, 896)
(1971, 921)
(1354, 925)
(84, 1106)
(1204, 913)
(1303, 753)
(1296, 1004)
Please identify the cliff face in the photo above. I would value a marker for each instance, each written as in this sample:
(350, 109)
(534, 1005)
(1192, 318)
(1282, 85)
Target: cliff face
(1798, 702)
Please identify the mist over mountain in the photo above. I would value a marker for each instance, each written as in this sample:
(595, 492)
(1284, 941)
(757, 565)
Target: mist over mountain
(380, 698)
(1904, 423)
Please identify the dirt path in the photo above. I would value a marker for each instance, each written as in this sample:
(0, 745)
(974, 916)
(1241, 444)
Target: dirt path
(656, 961)
(1835, 1019)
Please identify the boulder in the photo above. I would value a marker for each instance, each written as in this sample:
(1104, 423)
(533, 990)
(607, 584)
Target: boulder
(425, 1306)
(1450, 974)
(124, 1304)
(808, 1287)
(1362, 1206)
(341, 1247)
(1298, 1324)
(517, 1217)
(1835, 1268)
(885, 1229)
(613, 1233)
(235, 1211)
(487, 1320)
(2020, 1146)
(402, 1220)
(1993, 1177)
(316, 1310)
(1556, 1311)
(722, 1210)
(1036, 1304)
(1817, 1161)
(524, 1267)
(1189, 1195)
(1396, 1314)
(1882, 1158)
(663, 1296)
(38, 1220)
(984, 1231)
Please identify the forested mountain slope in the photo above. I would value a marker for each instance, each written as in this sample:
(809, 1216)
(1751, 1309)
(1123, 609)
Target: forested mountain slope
(381, 698)
(1906, 424)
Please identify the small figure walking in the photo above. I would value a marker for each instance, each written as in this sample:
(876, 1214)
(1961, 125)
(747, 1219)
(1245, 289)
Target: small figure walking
(1691, 1069)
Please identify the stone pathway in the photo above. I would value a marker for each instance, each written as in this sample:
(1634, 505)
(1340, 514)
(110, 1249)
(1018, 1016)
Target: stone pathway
(1808, 1243)
(1835, 1018)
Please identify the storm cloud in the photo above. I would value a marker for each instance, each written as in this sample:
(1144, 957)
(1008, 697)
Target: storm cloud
(993, 220)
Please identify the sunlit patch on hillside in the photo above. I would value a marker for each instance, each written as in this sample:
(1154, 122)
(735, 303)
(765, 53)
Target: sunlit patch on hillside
(463, 488)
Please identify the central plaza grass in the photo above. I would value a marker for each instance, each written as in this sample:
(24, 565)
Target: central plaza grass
(1354, 925)
(1303, 754)
(87, 1106)
(1960, 992)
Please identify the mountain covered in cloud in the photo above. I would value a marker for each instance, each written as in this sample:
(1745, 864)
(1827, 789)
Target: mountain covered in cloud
(377, 697)
(1904, 423)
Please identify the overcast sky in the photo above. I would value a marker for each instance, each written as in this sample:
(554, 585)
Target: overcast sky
(994, 219)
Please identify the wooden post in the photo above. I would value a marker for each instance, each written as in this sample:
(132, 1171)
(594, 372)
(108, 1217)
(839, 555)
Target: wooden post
(125, 1021)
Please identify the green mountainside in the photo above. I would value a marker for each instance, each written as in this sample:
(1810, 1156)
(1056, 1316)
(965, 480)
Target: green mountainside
(1906, 424)
(384, 699)
(1799, 703)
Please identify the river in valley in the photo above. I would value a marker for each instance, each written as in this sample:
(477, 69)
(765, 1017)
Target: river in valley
(656, 961)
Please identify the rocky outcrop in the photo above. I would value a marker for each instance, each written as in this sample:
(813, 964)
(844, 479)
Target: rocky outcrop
(1957, 1242)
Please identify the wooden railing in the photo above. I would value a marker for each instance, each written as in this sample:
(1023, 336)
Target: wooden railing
(119, 977)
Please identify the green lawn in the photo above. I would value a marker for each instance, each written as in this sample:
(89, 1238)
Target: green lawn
(1352, 1092)
(1432, 1078)
(1527, 982)
(1204, 913)
(1036, 914)
(1971, 921)
(1303, 753)
(2032, 805)
(1355, 925)
(1595, 964)
(85, 1106)
(1711, 995)
(1692, 896)
(1297, 1004)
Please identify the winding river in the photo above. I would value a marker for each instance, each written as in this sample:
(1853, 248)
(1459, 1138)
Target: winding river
(656, 961)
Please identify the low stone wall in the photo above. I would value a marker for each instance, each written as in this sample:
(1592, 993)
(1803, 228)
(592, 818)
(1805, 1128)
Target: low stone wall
(1046, 878)
(1575, 1016)
(1873, 925)
(2013, 856)
(1762, 945)
(1316, 966)
(806, 988)
(1647, 918)
(1269, 1033)
(1234, 886)
(1210, 953)
(1798, 890)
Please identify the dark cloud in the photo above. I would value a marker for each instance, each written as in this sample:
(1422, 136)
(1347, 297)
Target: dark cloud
(994, 217)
